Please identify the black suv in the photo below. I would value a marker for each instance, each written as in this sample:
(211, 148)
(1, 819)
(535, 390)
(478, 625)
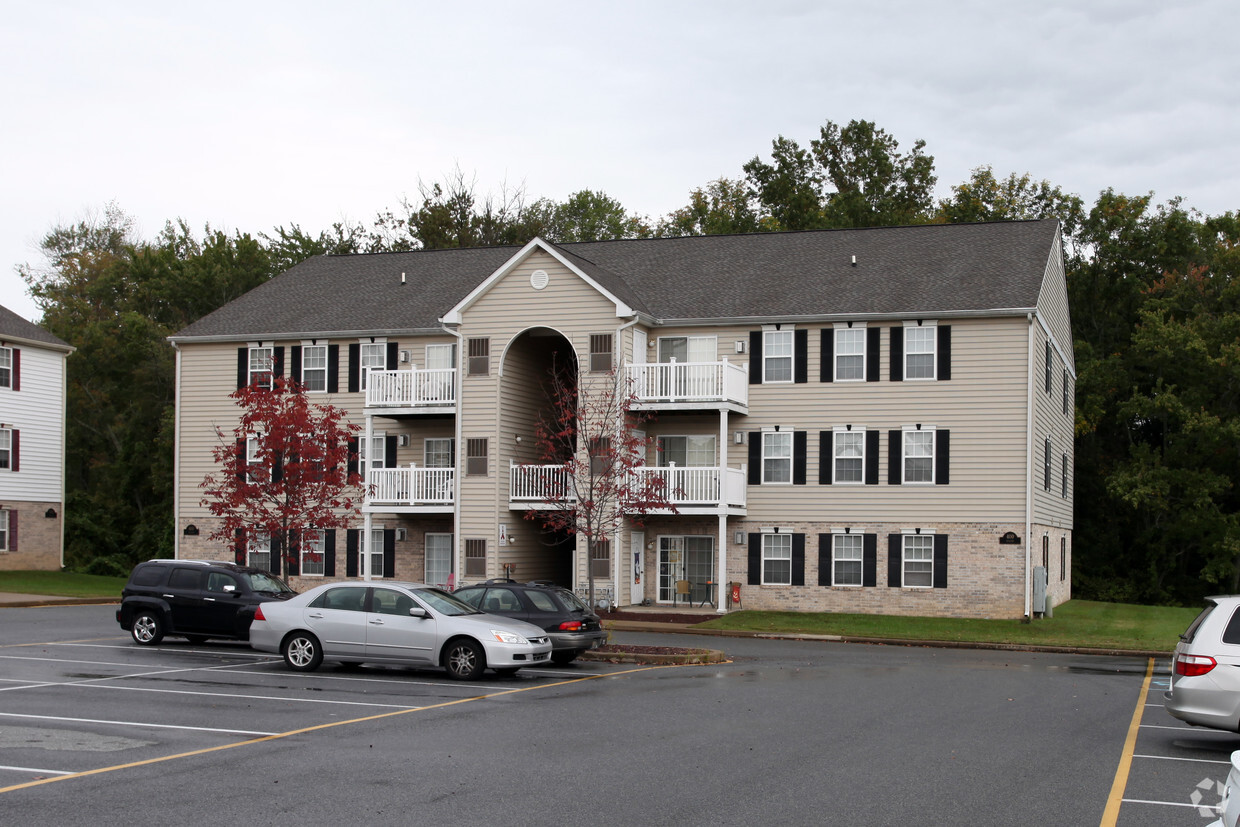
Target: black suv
(195, 599)
(572, 627)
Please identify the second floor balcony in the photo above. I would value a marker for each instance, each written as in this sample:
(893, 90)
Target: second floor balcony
(689, 385)
(412, 390)
(693, 490)
(410, 488)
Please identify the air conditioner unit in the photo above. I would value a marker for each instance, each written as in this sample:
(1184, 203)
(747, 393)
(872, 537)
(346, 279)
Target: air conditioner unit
(404, 357)
(402, 440)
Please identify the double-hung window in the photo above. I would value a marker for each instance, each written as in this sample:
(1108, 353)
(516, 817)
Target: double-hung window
(372, 355)
(372, 456)
(6, 449)
(6, 367)
(1063, 481)
(476, 457)
(776, 456)
(262, 366)
(1046, 464)
(846, 559)
(253, 446)
(601, 352)
(439, 453)
(260, 551)
(313, 562)
(850, 353)
(6, 533)
(1048, 365)
(376, 553)
(1067, 396)
(687, 451)
(918, 560)
(314, 368)
(918, 455)
(849, 459)
(920, 350)
(777, 559)
(777, 349)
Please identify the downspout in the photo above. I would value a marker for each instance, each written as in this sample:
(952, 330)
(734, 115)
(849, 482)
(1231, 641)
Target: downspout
(457, 452)
(1029, 468)
(64, 428)
(616, 547)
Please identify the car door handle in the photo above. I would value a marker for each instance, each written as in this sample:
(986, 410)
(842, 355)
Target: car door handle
(316, 615)
(376, 622)
(209, 599)
(169, 596)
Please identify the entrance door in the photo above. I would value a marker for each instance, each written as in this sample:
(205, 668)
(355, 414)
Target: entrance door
(671, 566)
(438, 559)
(637, 549)
(686, 558)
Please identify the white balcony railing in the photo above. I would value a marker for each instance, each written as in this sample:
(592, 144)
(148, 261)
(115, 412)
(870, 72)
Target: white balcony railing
(411, 388)
(684, 486)
(410, 486)
(689, 382)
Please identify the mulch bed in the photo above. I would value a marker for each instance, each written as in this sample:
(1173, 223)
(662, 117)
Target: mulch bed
(655, 617)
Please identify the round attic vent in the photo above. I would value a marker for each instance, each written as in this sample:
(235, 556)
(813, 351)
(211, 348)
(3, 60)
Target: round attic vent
(539, 279)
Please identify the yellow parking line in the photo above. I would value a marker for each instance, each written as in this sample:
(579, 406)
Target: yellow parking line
(331, 725)
(1111, 814)
(59, 642)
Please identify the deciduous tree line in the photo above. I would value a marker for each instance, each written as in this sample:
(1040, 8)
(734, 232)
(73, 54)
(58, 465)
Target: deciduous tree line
(1153, 290)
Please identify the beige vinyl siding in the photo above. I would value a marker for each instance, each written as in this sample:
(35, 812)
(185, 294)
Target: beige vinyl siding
(983, 405)
(1053, 305)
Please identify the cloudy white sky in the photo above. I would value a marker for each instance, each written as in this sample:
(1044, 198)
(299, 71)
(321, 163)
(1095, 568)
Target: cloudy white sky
(256, 114)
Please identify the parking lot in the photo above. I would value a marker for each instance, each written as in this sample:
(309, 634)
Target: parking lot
(788, 732)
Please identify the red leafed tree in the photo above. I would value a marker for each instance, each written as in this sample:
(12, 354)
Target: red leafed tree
(590, 429)
(285, 470)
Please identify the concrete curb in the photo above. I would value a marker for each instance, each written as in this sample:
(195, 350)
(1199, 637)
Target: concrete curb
(676, 628)
(688, 656)
(35, 601)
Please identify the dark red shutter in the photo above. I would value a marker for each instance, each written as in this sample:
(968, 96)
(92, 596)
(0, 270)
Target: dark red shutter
(15, 453)
(277, 362)
(17, 369)
(277, 551)
(12, 531)
(239, 547)
(241, 460)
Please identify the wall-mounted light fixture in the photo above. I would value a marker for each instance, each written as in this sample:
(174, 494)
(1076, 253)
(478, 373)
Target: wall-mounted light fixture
(191, 530)
(739, 538)
(50, 513)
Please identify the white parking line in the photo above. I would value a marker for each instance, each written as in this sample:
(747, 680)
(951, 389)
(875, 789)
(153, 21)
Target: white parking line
(282, 698)
(1161, 803)
(134, 724)
(40, 771)
(445, 684)
(1194, 760)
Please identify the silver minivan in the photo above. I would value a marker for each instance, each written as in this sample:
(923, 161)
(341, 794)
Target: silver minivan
(1205, 673)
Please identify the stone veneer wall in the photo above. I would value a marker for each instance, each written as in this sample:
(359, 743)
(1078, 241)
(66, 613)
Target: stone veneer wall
(38, 537)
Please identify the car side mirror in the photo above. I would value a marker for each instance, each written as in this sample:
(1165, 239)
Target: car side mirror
(417, 611)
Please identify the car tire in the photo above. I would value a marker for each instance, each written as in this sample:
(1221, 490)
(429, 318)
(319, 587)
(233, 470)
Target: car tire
(464, 659)
(302, 652)
(148, 628)
(564, 658)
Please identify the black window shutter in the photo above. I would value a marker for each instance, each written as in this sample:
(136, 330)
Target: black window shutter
(800, 451)
(755, 457)
(277, 361)
(869, 560)
(389, 451)
(243, 367)
(333, 368)
(940, 561)
(354, 459)
(871, 457)
(798, 559)
(894, 560)
(392, 355)
(942, 456)
(239, 547)
(294, 553)
(277, 467)
(873, 338)
(351, 536)
(826, 450)
(826, 371)
(276, 552)
(755, 559)
(897, 354)
(389, 552)
(800, 349)
(945, 352)
(755, 357)
(824, 559)
(355, 366)
(895, 457)
(294, 364)
(241, 460)
(329, 553)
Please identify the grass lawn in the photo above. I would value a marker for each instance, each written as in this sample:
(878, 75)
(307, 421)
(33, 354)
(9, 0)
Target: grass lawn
(61, 583)
(1082, 623)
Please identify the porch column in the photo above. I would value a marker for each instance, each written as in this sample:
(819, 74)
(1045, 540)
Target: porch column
(366, 517)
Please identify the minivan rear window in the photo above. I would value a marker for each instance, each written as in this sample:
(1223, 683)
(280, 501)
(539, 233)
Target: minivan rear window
(1188, 636)
(1232, 633)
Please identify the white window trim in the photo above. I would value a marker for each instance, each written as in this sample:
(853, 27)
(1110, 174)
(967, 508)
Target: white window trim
(934, 351)
(260, 541)
(714, 441)
(930, 429)
(426, 443)
(791, 357)
(364, 369)
(7, 363)
(426, 542)
(5, 526)
(322, 551)
(904, 560)
(839, 532)
(249, 376)
(363, 452)
(791, 457)
(835, 355)
(841, 429)
(6, 437)
(376, 531)
(308, 345)
(689, 340)
(772, 533)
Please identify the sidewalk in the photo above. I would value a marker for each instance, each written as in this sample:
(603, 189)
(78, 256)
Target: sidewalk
(13, 600)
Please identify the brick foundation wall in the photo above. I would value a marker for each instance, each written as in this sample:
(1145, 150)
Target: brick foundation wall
(38, 537)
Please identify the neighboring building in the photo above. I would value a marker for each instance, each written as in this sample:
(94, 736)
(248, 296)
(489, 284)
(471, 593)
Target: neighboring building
(873, 420)
(32, 445)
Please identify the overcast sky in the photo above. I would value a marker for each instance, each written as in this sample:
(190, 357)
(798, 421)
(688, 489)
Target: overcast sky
(257, 114)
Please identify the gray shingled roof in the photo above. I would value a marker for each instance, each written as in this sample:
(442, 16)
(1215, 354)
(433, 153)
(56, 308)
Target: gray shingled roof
(13, 326)
(942, 268)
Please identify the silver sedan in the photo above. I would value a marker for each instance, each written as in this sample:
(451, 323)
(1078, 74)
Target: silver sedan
(400, 623)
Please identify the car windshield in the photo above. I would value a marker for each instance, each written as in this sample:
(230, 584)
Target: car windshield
(260, 582)
(571, 600)
(445, 603)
